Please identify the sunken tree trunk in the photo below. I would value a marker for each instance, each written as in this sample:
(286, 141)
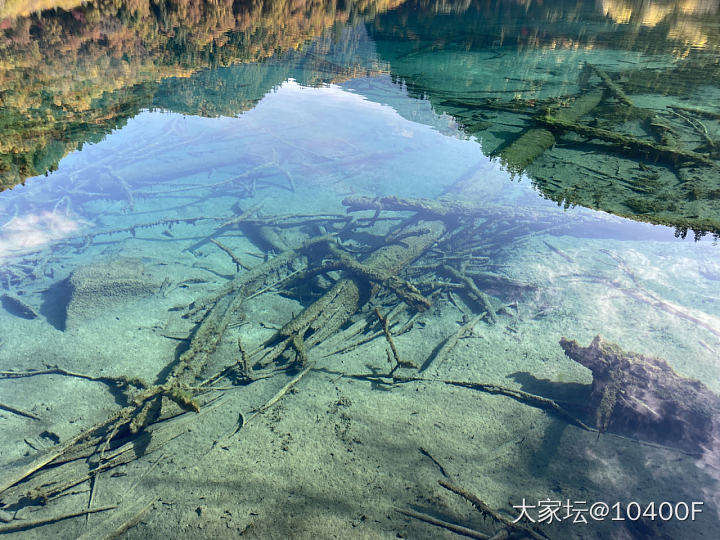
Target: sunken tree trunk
(642, 396)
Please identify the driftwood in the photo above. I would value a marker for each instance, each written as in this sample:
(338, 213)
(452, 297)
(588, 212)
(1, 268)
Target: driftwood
(120, 521)
(510, 528)
(18, 411)
(449, 345)
(459, 529)
(144, 406)
(456, 207)
(532, 400)
(642, 397)
(395, 355)
(487, 511)
(441, 208)
(53, 473)
(610, 85)
(22, 525)
(403, 289)
(533, 142)
(169, 222)
(238, 263)
(476, 294)
(332, 310)
(255, 277)
(627, 144)
(87, 455)
(699, 112)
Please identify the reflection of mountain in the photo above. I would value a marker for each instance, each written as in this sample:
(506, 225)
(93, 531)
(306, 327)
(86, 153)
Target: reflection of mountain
(67, 77)
(500, 67)
(227, 91)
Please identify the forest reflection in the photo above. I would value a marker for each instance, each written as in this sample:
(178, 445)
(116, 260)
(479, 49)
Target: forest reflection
(71, 72)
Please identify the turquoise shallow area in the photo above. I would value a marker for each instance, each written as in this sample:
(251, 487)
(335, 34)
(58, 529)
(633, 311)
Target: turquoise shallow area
(150, 372)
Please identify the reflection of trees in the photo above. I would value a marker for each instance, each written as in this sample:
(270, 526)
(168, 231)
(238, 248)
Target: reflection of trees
(625, 24)
(684, 24)
(125, 56)
(65, 75)
(495, 67)
(226, 91)
(651, 13)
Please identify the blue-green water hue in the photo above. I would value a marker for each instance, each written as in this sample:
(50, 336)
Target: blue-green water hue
(158, 155)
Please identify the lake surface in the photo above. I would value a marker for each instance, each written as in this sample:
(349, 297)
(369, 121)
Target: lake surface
(276, 270)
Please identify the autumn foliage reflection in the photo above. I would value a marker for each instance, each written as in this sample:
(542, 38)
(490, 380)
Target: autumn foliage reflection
(69, 76)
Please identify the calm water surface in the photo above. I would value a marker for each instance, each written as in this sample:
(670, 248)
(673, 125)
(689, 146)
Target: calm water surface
(531, 171)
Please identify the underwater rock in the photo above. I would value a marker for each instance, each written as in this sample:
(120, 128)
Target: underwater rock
(642, 397)
(99, 286)
(17, 307)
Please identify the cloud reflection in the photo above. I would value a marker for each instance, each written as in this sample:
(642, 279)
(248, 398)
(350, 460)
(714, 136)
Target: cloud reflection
(32, 231)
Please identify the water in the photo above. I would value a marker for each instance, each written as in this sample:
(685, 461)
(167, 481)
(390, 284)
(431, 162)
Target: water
(169, 166)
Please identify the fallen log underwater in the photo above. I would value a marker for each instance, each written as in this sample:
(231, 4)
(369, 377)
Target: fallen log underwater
(556, 120)
(627, 144)
(651, 163)
(109, 443)
(643, 397)
(156, 411)
(535, 141)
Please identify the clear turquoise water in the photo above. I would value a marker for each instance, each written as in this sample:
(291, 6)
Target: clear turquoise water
(397, 103)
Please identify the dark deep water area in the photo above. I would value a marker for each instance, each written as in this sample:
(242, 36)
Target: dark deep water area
(360, 269)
